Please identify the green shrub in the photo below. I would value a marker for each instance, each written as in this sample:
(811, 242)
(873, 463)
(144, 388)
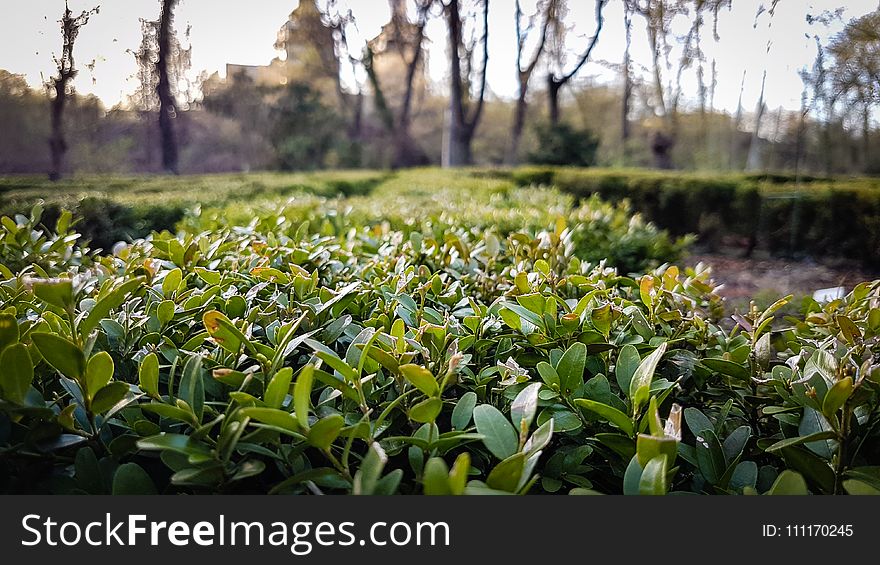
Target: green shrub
(814, 217)
(563, 144)
(276, 358)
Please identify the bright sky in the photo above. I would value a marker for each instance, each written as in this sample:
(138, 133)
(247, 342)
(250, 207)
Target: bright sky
(232, 31)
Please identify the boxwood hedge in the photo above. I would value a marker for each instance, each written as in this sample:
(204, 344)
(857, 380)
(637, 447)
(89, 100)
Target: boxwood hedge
(337, 354)
(808, 216)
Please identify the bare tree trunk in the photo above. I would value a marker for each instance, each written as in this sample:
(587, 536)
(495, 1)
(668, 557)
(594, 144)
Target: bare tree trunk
(524, 74)
(70, 27)
(866, 137)
(625, 129)
(57, 143)
(462, 126)
(516, 131)
(799, 139)
(753, 161)
(555, 83)
(734, 132)
(167, 104)
(553, 87)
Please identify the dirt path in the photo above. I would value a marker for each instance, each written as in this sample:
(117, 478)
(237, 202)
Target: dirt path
(767, 279)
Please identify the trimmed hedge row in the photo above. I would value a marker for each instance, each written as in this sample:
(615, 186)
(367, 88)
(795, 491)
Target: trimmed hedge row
(809, 216)
(111, 208)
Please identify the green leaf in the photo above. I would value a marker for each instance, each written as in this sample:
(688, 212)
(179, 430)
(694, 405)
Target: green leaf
(799, 440)
(171, 281)
(627, 362)
(99, 371)
(539, 439)
(463, 411)
(571, 366)
(648, 447)
(192, 386)
(302, 391)
(421, 378)
(601, 318)
(178, 443)
(325, 431)
(815, 470)
(653, 478)
(8, 330)
(223, 331)
(640, 386)
(108, 303)
(168, 411)
(57, 292)
(278, 387)
(728, 368)
(130, 478)
(338, 364)
(370, 471)
(459, 473)
(17, 373)
(506, 475)
(273, 417)
(734, 444)
(710, 456)
(148, 375)
(697, 421)
(108, 397)
(63, 355)
(426, 411)
(435, 478)
(548, 374)
(165, 312)
(524, 406)
(608, 413)
(499, 436)
(836, 397)
(535, 302)
(789, 483)
(854, 487)
(632, 477)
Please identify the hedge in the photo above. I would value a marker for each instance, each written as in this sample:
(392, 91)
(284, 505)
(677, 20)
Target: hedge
(811, 216)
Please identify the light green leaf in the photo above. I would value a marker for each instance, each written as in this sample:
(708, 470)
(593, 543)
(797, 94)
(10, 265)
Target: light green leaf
(421, 378)
(302, 391)
(17, 373)
(63, 355)
(608, 413)
(278, 387)
(499, 436)
(640, 385)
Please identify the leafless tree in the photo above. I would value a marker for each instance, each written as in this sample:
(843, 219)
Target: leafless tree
(60, 84)
(546, 13)
(465, 112)
(556, 81)
(167, 104)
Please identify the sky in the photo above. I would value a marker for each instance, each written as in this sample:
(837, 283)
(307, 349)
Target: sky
(235, 31)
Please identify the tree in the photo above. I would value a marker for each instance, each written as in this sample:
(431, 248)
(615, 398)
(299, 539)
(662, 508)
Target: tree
(60, 84)
(304, 129)
(625, 129)
(404, 39)
(556, 80)
(547, 11)
(855, 71)
(167, 104)
(753, 160)
(659, 16)
(464, 118)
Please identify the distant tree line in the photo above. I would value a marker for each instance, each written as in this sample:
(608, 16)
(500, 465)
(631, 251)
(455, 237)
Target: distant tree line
(390, 116)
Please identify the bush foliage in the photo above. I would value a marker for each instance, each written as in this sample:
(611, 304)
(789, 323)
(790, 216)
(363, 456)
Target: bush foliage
(320, 349)
(818, 217)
